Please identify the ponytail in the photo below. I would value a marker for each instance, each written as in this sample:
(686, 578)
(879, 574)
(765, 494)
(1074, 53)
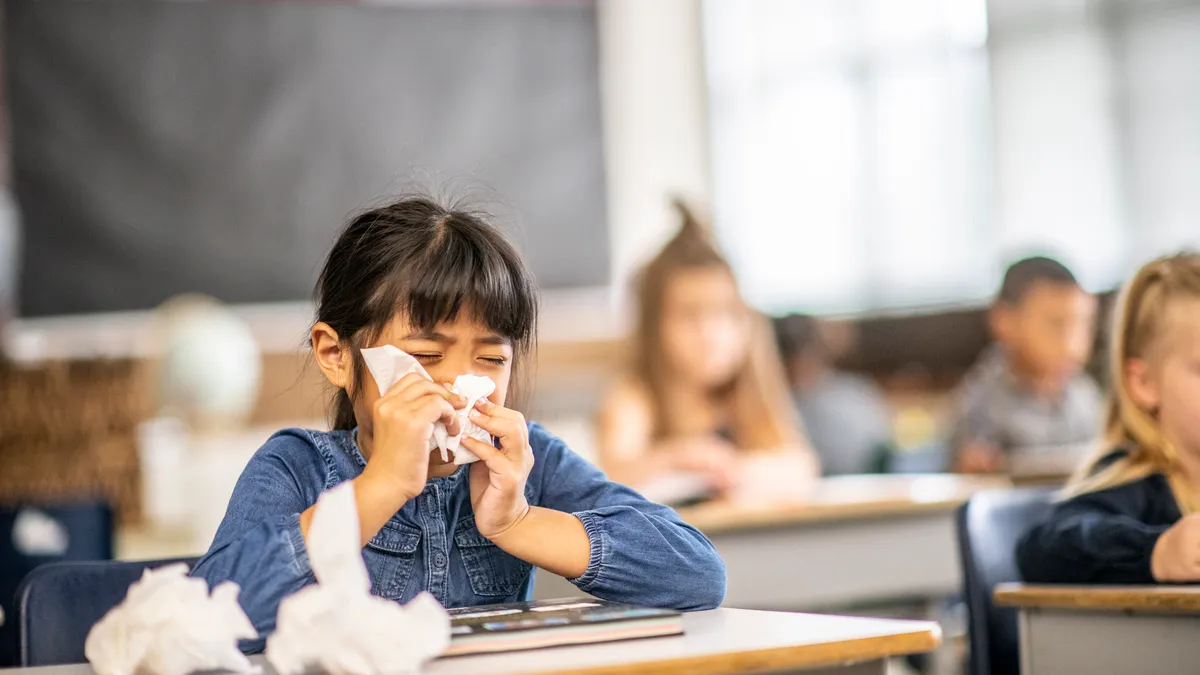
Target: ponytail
(342, 412)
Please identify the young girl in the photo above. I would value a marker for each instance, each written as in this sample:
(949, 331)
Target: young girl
(1131, 513)
(447, 288)
(707, 388)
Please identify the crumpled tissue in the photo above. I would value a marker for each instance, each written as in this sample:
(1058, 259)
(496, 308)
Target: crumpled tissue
(168, 624)
(337, 626)
(389, 363)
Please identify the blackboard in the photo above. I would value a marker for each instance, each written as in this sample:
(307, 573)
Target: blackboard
(167, 147)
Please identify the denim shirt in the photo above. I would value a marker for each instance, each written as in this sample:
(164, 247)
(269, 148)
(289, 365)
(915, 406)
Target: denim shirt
(641, 552)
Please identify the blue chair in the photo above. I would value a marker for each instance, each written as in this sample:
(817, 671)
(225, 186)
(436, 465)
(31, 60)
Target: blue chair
(989, 526)
(35, 534)
(59, 604)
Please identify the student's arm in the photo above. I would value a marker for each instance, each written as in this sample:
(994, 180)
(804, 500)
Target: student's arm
(623, 438)
(1095, 538)
(376, 499)
(499, 484)
(638, 552)
(258, 544)
(549, 539)
(972, 439)
(629, 455)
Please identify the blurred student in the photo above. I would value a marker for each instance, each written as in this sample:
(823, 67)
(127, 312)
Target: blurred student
(1131, 513)
(443, 285)
(846, 416)
(1028, 394)
(706, 394)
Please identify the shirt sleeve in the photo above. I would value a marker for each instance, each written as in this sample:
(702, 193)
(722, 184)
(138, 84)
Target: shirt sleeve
(258, 544)
(641, 553)
(1095, 538)
(969, 421)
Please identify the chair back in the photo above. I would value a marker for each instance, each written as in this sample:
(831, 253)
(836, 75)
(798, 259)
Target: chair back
(989, 526)
(33, 535)
(59, 604)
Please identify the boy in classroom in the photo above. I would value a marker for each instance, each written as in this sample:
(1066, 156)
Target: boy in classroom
(1027, 406)
(444, 286)
(705, 394)
(1131, 515)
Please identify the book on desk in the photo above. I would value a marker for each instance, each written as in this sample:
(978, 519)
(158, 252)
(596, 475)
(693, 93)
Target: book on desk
(554, 623)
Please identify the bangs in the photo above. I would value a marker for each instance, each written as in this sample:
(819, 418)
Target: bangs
(465, 267)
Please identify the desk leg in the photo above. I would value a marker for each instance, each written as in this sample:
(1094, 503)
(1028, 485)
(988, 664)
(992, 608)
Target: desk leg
(1025, 641)
(1064, 642)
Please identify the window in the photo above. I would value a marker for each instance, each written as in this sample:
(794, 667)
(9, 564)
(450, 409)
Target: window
(876, 154)
(849, 149)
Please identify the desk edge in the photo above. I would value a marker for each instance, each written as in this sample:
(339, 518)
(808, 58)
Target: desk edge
(1176, 599)
(856, 650)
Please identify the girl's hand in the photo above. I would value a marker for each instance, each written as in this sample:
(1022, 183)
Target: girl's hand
(498, 479)
(1176, 556)
(710, 455)
(403, 421)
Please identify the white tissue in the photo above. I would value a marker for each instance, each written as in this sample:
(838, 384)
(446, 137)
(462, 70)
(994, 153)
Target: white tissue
(472, 388)
(388, 364)
(168, 624)
(337, 626)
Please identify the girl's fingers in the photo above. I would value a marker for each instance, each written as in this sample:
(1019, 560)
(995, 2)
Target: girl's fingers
(413, 386)
(452, 422)
(498, 421)
(437, 410)
(404, 383)
(509, 435)
(488, 408)
(484, 451)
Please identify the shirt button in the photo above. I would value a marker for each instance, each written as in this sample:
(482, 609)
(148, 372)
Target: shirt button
(439, 560)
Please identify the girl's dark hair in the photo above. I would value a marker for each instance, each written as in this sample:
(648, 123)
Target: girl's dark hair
(426, 261)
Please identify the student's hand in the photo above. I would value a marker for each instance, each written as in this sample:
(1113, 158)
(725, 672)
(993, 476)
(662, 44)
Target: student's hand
(403, 421)
(1176, 556)
(980, 457)
(712, 456)
(498, 479)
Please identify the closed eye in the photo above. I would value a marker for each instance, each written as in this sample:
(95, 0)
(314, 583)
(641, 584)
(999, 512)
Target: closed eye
(494, 360)
(427, 358)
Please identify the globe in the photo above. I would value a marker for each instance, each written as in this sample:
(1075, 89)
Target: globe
(211, 365)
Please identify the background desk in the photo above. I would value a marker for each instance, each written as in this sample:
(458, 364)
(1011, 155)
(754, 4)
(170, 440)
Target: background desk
(855, 540)
(720, 642)
(1149, 630)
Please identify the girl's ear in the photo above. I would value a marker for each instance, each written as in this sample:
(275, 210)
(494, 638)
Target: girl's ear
(1142, 384)
(332, 357)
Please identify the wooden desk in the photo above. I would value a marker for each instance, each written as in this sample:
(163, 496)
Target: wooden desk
(720, 642)
(854, 540)
(1105, 629)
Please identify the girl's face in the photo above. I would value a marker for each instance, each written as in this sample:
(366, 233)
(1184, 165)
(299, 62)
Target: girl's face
(1171, 379)
(450, 349)
(705, 326)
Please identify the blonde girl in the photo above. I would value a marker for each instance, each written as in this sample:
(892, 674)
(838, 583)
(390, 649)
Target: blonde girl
(1130, 513)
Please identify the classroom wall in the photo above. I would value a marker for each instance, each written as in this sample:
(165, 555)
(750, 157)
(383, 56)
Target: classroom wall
(655, 120)
(655, 128)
